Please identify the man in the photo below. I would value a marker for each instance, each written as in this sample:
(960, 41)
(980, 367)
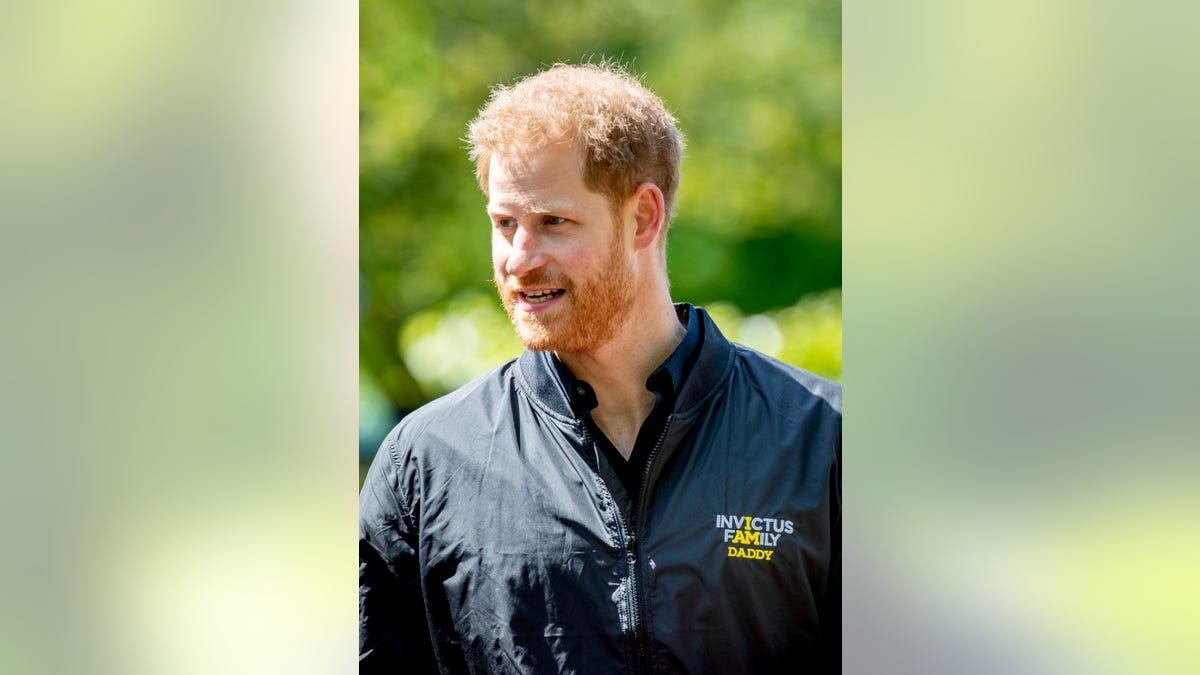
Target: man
(634, 493)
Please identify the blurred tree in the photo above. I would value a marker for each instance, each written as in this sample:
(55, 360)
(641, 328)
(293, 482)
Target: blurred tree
(756, 86)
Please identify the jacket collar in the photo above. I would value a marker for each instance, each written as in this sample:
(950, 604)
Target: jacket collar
(713, 356)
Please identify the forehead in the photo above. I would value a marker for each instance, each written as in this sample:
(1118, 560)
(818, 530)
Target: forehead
(545, 179)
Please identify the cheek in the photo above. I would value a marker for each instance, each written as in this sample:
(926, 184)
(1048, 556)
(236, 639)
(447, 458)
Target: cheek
(499, 251)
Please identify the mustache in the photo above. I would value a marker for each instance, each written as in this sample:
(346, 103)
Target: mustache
(536, 278)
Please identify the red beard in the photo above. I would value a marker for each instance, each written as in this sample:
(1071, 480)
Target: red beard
(588, 315)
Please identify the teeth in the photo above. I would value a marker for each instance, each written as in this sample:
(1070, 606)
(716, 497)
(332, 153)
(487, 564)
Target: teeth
(540, 296)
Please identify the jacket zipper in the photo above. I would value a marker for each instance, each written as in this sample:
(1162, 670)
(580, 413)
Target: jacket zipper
(629, 534)
(635, 589)
(622, 531)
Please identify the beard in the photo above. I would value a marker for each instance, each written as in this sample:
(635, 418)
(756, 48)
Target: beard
(595, 309)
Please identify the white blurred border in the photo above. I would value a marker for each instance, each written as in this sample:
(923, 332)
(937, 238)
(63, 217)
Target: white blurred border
(178, 193)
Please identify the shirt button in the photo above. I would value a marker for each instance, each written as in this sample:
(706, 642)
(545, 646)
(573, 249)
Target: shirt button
(579, 391)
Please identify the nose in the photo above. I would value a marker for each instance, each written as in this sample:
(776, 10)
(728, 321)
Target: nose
(524, 253)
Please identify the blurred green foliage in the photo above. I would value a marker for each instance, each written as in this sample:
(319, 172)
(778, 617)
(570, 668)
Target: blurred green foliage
(756, 87)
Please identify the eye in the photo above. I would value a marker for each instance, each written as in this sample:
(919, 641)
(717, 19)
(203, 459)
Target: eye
(505, 222)
(555, 220)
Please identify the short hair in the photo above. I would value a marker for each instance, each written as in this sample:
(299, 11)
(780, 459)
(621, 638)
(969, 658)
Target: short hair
(623, 131)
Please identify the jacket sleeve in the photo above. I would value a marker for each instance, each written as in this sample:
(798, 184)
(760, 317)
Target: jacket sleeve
(393, 633)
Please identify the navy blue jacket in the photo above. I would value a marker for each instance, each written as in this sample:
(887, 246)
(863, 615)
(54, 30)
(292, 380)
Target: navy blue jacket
(489, 543)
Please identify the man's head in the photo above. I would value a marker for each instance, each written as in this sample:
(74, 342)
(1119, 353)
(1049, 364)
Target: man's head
(580, 164)
(623, 132)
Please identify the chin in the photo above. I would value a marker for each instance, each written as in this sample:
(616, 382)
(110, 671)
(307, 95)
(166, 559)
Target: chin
(580, 327)
(539, 337)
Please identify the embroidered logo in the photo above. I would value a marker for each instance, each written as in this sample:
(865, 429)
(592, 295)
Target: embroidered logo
(752, 537)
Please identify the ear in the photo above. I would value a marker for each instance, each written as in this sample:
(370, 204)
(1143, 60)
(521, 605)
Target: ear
(649, 214)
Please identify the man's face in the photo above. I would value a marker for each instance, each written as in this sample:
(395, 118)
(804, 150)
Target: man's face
(559, 257)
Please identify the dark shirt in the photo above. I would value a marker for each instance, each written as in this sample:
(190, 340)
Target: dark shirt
(624, 477)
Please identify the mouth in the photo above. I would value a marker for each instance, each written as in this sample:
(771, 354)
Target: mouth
(540, 296)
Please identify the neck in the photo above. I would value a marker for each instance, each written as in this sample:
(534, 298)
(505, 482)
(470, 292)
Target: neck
(618, 370)
(640, 346)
